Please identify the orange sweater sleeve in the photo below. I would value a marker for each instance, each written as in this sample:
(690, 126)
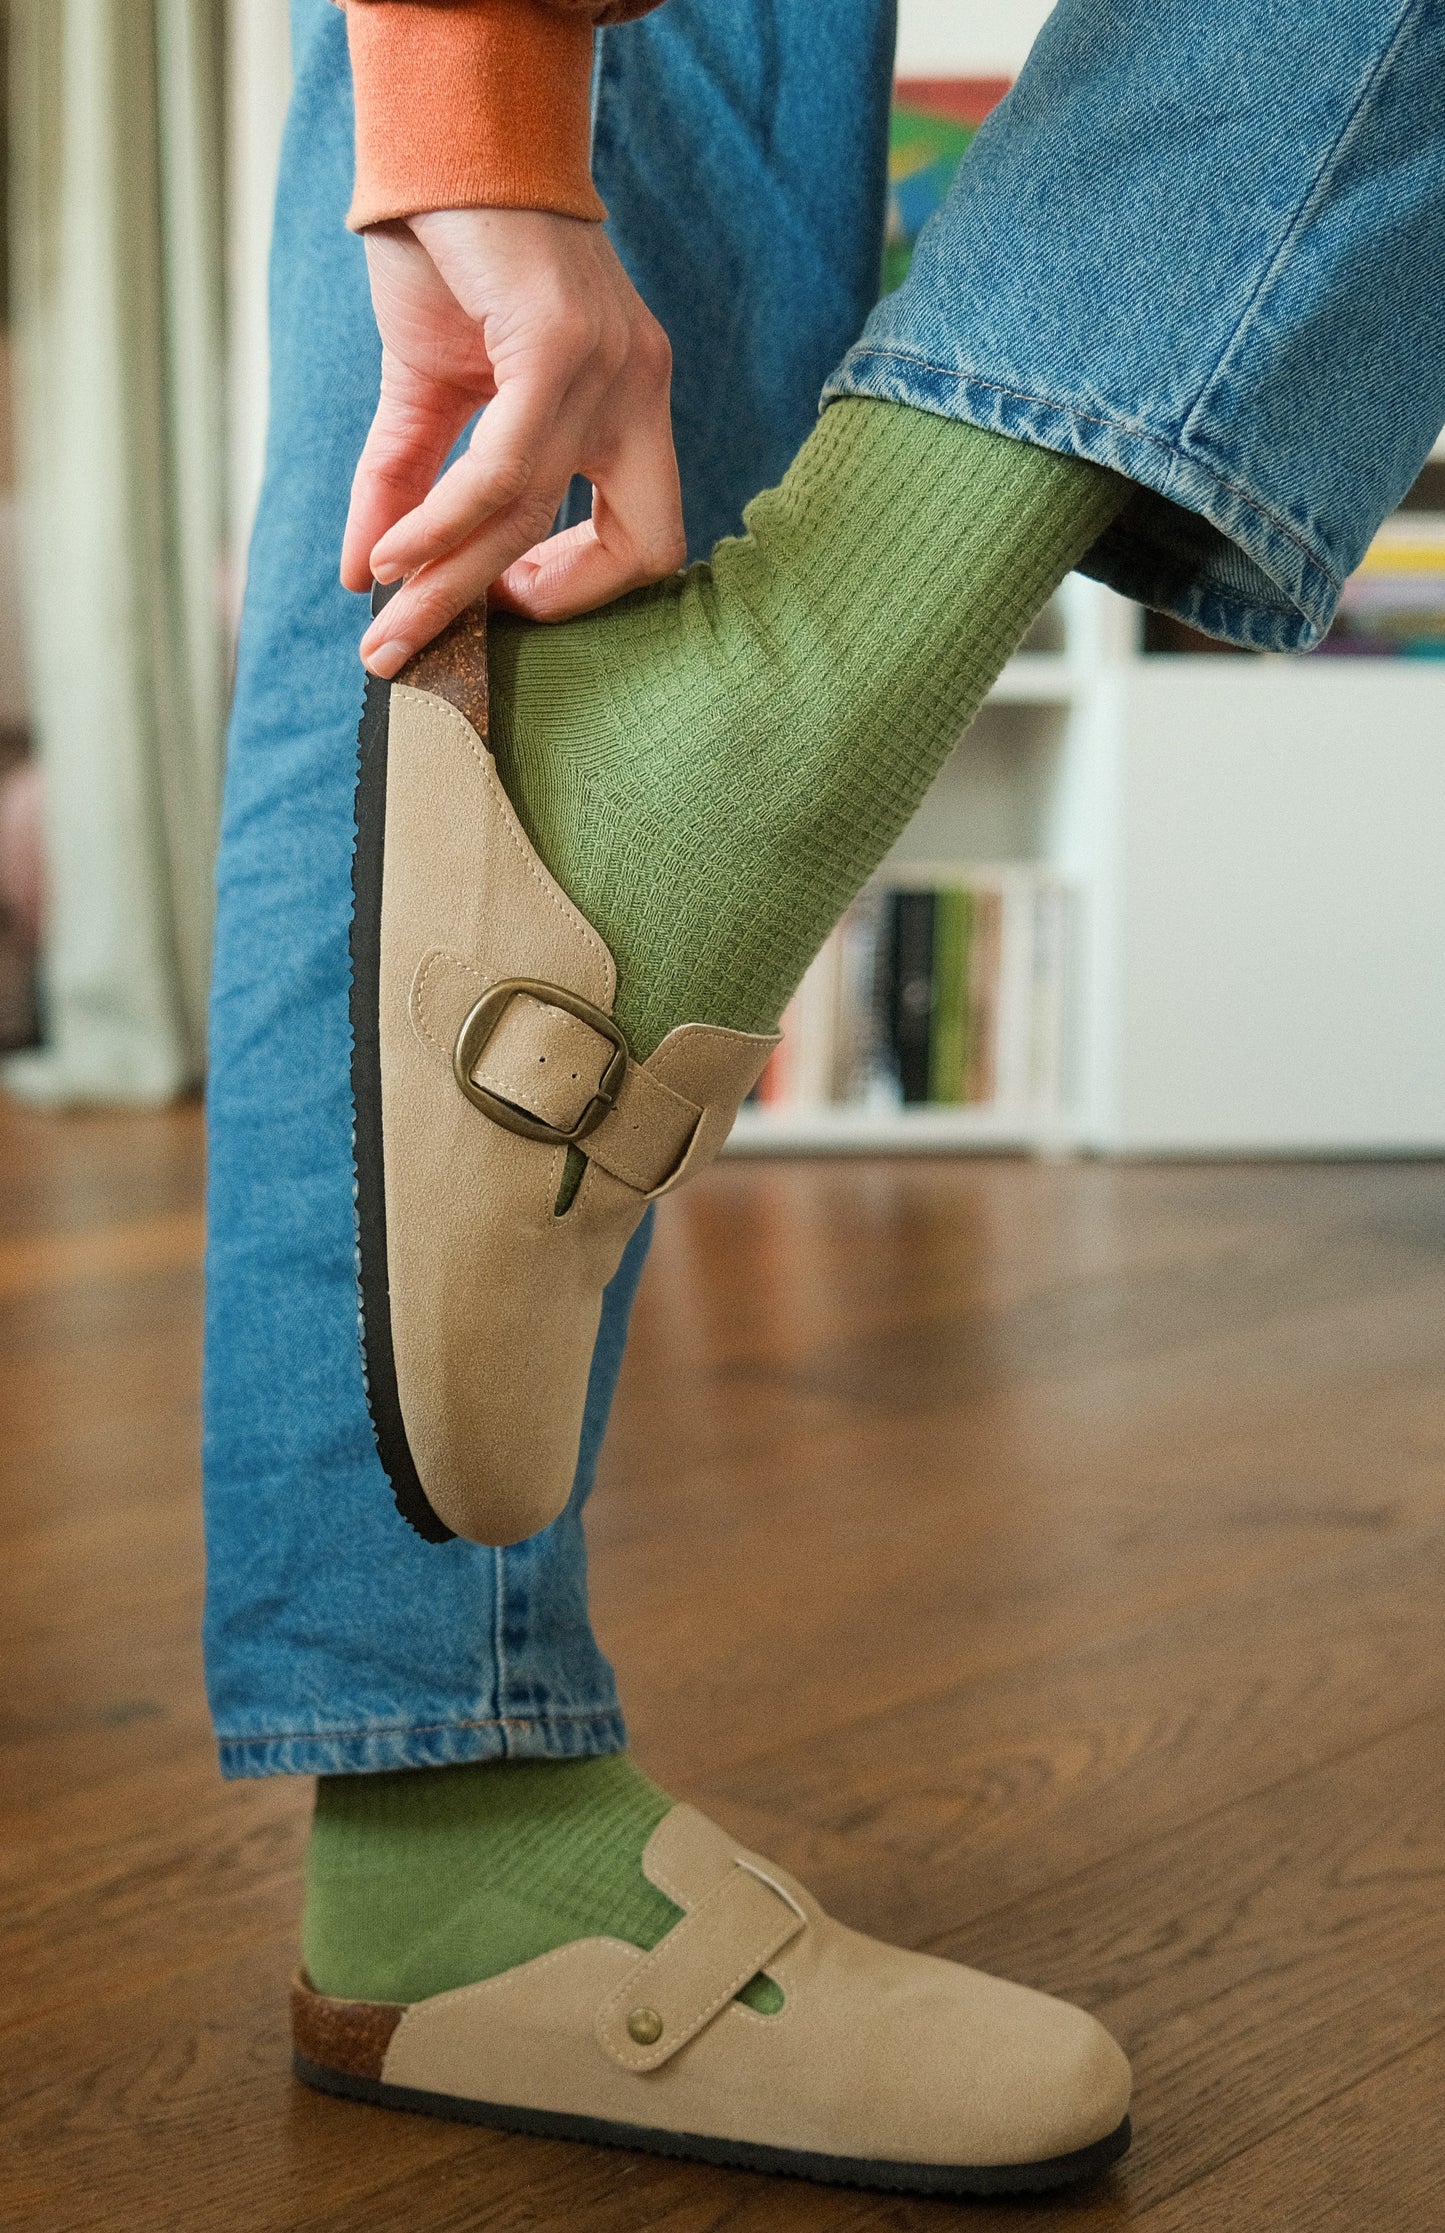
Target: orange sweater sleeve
(468, 103)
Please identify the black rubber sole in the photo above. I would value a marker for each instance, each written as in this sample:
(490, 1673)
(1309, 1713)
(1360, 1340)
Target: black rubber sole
(378, 1361)
(973, 2180)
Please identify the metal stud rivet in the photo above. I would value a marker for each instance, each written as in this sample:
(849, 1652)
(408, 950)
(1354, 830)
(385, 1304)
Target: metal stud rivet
(645, 2026)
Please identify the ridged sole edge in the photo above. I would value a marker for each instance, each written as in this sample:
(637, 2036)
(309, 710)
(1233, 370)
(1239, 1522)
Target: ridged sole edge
(373, 1280)
(973, 2180)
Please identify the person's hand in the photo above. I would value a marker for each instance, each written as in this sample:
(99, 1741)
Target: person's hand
(534, 316)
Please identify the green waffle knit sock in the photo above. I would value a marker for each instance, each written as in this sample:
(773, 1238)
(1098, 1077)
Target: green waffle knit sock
(435, 1877)
(713, 767)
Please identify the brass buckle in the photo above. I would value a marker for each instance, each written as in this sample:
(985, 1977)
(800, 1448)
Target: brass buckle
(478, 1028)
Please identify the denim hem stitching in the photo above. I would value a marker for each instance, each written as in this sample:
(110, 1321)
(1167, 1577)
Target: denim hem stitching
(548, 1720)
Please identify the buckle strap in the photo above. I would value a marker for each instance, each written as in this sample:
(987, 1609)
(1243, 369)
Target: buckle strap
(703, 1962)
(647, 1133)
(538, 1059)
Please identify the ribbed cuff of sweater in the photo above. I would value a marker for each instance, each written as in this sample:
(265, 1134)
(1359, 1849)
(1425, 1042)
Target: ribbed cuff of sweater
(462, 106)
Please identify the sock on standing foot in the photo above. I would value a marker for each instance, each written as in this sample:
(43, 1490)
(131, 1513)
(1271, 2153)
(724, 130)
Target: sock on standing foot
(430, 1878)
(713, 767)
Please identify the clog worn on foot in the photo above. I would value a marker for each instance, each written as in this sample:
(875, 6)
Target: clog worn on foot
(483, 1049)
(880, 2068)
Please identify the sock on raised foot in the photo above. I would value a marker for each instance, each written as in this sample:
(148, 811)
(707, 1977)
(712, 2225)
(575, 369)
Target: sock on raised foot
(713, 767)
(429, 1878)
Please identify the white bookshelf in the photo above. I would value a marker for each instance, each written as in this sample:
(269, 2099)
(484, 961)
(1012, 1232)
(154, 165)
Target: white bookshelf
(1254, 850)
(918, 1131)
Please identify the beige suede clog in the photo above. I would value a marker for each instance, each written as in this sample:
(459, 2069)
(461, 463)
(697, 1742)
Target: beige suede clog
(880, 2068)
(483, 1048)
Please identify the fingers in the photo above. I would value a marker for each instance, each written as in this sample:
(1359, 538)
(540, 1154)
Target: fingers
(551, 396)
(545, 577)
(635, 535)
(435, 594)
(511, 441)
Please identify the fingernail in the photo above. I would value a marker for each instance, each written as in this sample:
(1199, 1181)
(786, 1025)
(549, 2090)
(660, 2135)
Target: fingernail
(387, 571)
(386, 659)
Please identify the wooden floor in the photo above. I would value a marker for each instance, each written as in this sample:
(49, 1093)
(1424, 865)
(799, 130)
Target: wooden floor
(1047, 1561)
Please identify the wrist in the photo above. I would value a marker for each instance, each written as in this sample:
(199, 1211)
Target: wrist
(461, 106)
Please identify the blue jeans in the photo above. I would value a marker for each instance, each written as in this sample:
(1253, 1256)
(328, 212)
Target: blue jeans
(1203, 242)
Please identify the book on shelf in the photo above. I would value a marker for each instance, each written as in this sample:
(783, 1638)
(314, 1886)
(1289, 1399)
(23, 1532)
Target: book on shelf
(940, 988)
(1393, 605)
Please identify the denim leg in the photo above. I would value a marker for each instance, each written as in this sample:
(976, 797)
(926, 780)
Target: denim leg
(335, 1639)
(1203, 242)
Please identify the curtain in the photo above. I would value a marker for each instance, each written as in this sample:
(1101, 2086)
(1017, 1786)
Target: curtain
(117, 225)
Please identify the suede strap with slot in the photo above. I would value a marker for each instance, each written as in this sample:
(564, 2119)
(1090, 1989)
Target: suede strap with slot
(549, 1064)
(703, 1963)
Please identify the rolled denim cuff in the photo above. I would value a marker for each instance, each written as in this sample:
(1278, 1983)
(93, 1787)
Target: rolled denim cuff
(1188, 543)
(376, 1751)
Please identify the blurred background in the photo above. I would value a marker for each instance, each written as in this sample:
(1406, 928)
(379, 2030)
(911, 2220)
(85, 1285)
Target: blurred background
(1161, 900)
(142, 140)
